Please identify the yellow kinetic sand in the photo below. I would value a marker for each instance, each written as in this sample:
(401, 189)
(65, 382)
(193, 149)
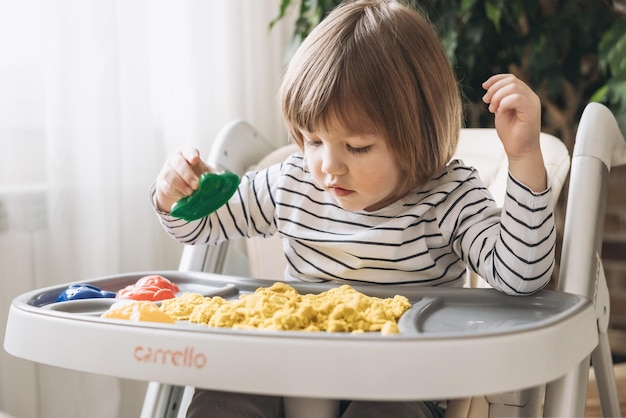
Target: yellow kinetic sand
(281, 307)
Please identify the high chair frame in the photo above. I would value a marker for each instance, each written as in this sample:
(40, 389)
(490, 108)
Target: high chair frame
(599, 147)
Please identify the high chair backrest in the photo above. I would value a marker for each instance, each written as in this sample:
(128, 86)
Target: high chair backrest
(480, 148)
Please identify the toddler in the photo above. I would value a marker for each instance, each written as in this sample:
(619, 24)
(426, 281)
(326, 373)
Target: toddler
(373, 197)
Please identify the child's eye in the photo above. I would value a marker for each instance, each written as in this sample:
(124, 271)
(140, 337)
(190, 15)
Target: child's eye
(359, 150)
(311, 143)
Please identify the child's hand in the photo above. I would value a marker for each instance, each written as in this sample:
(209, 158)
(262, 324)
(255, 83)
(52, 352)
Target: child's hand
(517, 111)
(179, 177)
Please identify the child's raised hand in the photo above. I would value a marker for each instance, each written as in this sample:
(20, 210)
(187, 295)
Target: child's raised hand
(517, 111)
(179, 177)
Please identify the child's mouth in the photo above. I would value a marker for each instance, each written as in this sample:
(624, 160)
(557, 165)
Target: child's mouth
(339, 192)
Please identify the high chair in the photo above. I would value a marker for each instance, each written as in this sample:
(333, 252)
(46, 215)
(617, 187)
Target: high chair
(493, 355)
(480, 148)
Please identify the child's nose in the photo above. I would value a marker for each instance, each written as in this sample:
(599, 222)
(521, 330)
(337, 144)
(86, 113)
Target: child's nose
(333, 163)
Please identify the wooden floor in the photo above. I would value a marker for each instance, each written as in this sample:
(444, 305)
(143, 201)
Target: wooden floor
(592, 409)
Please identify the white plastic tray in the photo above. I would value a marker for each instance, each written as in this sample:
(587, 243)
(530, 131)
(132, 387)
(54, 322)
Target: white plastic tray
(454, 343)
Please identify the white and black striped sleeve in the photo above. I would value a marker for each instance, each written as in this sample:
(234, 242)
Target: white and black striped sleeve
(513, 247)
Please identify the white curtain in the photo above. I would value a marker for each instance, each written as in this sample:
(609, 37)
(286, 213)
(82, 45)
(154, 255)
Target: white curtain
(93, 95)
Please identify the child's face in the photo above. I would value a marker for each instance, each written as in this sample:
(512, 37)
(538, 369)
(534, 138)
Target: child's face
(357, 168)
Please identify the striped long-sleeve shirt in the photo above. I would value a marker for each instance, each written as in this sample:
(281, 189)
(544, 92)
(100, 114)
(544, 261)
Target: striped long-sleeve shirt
(429, 237)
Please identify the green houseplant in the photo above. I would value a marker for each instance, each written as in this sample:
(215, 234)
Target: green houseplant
(570, 52)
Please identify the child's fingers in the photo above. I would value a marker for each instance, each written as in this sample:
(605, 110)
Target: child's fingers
(196, 163)
(510, 90)
(519, 104)
(172, 184)
(497, 93)
(493, 79)
(192, 156)
(496, 82)
(182, 171)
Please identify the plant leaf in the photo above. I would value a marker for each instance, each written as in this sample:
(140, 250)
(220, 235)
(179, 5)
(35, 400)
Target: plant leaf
(494, 14)
(466, 6)
(282, 11)
(600, 95)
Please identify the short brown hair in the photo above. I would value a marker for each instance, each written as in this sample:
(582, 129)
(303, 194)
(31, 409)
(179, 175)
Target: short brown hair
(380, 63)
